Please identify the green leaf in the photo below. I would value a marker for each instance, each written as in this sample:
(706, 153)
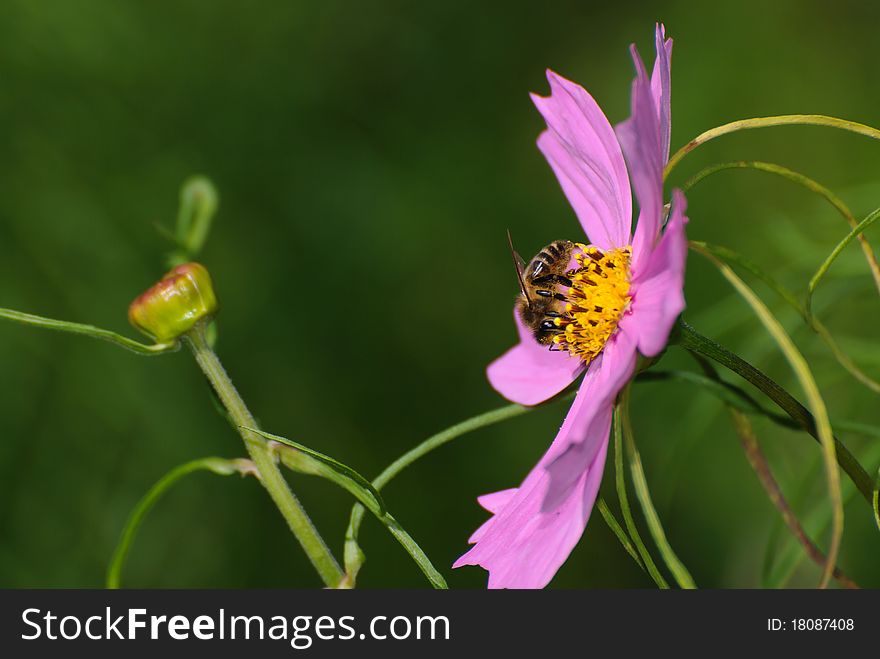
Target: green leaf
(857, 231)
(809, 184)
(766, 122)
(88, 330)
(198, 204)
(693, 341)
(218, 466)
(618, 531)
(739, 399)
(354, 556)
(620, 484)
(733, 258)
(327, 467)
(308, 461)
(816, 403)
(640, 483)
(783, 555)
(876, 499)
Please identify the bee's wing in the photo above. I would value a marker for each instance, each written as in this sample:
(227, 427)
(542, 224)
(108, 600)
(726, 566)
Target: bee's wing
(520, 266)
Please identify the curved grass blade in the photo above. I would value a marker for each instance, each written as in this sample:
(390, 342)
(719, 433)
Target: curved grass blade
(820, 273)
(817, 405)
(738, 398)
(727, 393)
(766, 122)
(308, 461)
(354, 556)
(198, 205)
(88, 330)
(340, 473)
(875, 500)
(618, 531)
(693, 341)
(682, 576)
(779, 570)
(216, 465)
(620, 484)
(804, 181)
(734, 258)
(758, 461)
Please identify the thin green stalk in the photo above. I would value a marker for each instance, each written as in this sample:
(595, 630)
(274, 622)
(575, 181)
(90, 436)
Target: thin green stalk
(734, 258)
(618, 531)
(805, 182)
(216, 465)
(289, 506)
(693, 341)
(640, 482)
(88, 330)
(758, 461)
(735, 396)
(304, 460)
(766, 122)
(820, 273)
(620, 485)
(875, 499)
(354, 557)
(817, 405)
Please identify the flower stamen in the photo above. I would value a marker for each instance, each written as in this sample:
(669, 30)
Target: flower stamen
(595, 302)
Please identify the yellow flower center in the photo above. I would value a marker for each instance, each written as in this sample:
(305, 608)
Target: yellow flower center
(595, 302)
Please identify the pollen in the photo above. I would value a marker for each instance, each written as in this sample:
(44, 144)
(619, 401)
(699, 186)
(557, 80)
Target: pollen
(595, 302)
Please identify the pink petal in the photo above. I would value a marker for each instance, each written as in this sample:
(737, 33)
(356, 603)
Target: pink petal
(530, 373)
(529, 537)
(658, 291)
(497, 500)
(640, 138)
(585, 156)
(493, 503)
(661, 87)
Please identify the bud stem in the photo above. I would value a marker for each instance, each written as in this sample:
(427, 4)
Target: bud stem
(270, 476)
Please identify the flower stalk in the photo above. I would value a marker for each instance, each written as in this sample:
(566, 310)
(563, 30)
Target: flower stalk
(261, 454)
(690, 339)
(766, 122)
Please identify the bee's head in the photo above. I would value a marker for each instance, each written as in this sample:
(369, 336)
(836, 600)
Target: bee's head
(539, 317)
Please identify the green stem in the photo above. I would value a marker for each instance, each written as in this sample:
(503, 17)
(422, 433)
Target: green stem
(692, 340)
(618, 531)
(215, 465)
(88, 330)
(271, 477)
(857, 231)
(620, 486)
(805, 182)
(733, 258)
(765, 122)
(682, 577)
(758, 461)
(354, 556)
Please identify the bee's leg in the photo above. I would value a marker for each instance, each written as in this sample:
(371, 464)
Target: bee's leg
(555, 296)
(554, 278)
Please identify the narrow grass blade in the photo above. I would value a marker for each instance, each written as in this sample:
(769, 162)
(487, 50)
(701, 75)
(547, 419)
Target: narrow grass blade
(814, 398)
(216, 465)
(766, 122)
(805, 182)
(620, 483)
(308, 461)
(88, 330)
(640, 483)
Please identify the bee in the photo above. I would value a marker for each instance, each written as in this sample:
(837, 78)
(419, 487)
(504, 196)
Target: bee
(539, 303)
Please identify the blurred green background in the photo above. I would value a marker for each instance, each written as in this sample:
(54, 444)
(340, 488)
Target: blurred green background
(369, 160)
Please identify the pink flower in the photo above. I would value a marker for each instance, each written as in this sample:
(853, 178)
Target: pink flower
(534, 527)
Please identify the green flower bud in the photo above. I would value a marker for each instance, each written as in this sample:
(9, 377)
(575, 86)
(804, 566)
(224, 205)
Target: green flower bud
(173, 306)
